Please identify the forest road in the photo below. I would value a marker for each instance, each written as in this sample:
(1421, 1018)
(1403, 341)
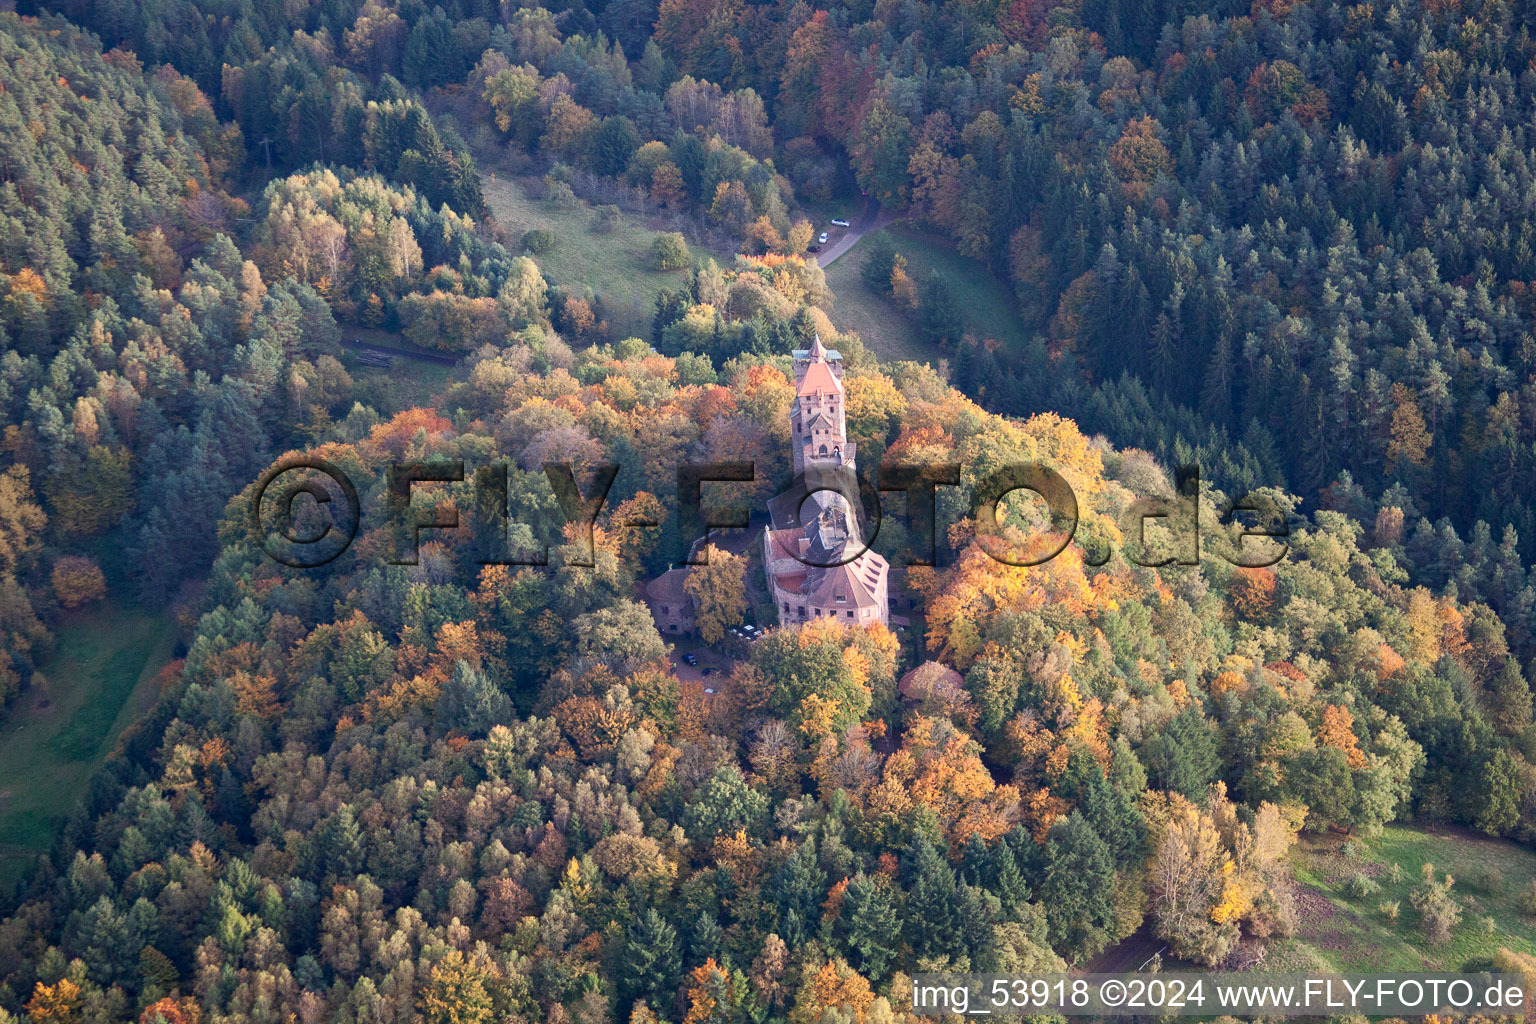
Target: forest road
(862, 225)
(390, 350)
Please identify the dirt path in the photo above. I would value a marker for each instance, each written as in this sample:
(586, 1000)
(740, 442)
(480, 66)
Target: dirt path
(1130, 954)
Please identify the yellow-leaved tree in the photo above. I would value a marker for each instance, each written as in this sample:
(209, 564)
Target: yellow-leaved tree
(1212, 873)
(456, 991)
(719, 592)
(77, 580)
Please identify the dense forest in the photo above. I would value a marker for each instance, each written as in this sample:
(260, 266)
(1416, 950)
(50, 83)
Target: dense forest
(1317, 208)
(1291, 243)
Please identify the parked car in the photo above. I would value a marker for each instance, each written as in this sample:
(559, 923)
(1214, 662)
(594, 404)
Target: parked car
(838, 222)
(813, 248)
(823, 238)
(690, 659)
(706, 671)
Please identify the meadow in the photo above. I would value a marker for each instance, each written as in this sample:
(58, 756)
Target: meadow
(614, 265)
(890, 330)
(884, 327)
(63, 726)
(1339, 927)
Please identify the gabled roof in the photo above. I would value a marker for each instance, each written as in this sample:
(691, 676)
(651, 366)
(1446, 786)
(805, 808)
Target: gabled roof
(824, 547)
(821, 418)
(801, 562)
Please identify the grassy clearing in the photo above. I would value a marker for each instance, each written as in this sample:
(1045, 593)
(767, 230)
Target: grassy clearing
(615, 266)
(57, 735)
(988, 306)
(407, 384)
(884, 327)
(1355, 934)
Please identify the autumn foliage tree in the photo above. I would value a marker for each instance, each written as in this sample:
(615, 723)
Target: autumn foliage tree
(1212, 874)
(718, 589)
(77, 581)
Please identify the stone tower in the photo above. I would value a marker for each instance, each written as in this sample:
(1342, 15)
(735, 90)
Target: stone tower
(815, 560)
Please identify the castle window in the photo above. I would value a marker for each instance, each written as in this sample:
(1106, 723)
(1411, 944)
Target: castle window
(802, 611)
(842, 598)
(850, 613)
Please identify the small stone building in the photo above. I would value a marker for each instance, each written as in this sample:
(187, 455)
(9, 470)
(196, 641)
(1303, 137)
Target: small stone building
(671, 606)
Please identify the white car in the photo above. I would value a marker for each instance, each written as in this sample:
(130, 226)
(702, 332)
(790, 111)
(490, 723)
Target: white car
(823, 238)
(839, 223)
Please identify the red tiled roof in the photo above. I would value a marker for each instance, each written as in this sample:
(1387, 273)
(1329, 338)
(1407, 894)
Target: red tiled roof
(818, 380)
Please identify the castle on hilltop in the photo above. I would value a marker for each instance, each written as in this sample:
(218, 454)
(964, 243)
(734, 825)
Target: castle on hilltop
(812, 534)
